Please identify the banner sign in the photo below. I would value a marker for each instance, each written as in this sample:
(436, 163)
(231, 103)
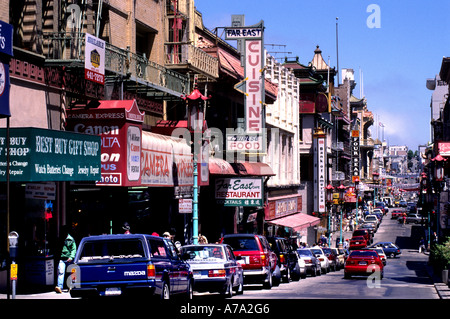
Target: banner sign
(94, 59)
(355, 155)
(40, 155)
(320, 174)
(239, 191)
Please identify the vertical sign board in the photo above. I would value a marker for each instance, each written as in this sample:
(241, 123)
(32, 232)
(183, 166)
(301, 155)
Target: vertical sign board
(6, 51)
(94, 59)
(254, 78)
(320, 174)
(355, 156)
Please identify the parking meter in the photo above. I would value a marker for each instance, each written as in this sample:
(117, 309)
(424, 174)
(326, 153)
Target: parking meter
(13, 238)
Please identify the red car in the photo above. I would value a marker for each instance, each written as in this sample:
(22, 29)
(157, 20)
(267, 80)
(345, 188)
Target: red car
(363, 263)
(357, 242)
(396, 214)
(260, 262)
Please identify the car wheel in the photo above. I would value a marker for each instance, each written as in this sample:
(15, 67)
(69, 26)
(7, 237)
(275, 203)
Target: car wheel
(190, 290)
(287, 278)
(392, 255)
(165, 292)
(228, 292)
(240, 287)
(347, 276)
(269, 283)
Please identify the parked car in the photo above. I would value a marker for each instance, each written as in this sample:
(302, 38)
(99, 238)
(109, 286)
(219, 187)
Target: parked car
(123, 265)
(340, 257)
(380, 253)
(357, 242)
(287, 258)
(215, 268)
(301, 266)
(397, 213)
(324, 262)
(413, 218)
(260, 262)
(365, 233)
(363, 263)
(370, 226)
(332, 258)
(312, 263)
(390, 249)
(372, 218)
(411, 207)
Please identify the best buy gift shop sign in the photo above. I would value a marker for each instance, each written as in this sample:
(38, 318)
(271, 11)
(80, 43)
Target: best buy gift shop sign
(48, 155)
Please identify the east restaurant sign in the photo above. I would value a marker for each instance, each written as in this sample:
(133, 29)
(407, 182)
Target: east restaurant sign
(40, 155)
(239, 191)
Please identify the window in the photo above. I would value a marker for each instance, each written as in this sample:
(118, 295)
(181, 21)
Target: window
(117, 250)
(157, 248)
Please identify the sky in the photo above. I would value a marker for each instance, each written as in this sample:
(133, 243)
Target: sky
(395, 44)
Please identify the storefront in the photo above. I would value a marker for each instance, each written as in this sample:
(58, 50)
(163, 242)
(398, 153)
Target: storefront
(145, 176)
(285, 218)
(42, 162)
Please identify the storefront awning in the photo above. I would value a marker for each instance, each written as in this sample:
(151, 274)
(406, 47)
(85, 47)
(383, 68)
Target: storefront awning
(253, 169)
(296, 221)
(219, 166)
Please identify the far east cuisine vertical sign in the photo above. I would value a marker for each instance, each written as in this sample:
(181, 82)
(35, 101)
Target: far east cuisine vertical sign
(94, 59)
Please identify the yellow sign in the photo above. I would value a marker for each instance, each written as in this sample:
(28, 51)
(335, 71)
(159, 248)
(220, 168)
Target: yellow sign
(13, 271)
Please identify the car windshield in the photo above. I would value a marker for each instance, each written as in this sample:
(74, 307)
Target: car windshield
(304, 252)
(241, 243)
(202, 253)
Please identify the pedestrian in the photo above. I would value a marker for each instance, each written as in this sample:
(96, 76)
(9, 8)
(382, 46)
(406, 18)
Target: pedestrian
(68, 251)
(166, 235)
(404, 218)
(345, 244)
(422, 245)
(126, 228)
(202, 239)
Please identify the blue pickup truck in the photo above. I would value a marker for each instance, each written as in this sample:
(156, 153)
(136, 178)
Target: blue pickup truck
(124, 265)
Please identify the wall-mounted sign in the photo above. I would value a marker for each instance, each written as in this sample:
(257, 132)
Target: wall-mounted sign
(185, 206)
(239, 191)
(119, 125)
(6, 51)
(244, 142)
(283, 207)
(46, 155)
(94, 59)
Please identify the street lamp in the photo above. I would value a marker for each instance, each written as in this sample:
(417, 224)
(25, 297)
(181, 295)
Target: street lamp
(195, 119)
(341, 188)
(329, 188)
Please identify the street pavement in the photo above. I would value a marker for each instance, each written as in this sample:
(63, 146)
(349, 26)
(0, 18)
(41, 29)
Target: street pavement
(442, 289)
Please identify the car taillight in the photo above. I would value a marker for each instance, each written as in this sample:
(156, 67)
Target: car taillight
(308, 261)
(263, 258)
(217, 273)
(282, 258)
(73, 274)
(151, 271)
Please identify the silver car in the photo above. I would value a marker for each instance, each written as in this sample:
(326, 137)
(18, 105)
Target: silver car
(324, 262)
(215, 268)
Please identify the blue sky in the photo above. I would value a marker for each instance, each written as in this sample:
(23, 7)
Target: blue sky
(395, 59)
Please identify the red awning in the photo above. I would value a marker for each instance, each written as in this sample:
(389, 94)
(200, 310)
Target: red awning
(253, 169)
(219, 166)
(296, 221)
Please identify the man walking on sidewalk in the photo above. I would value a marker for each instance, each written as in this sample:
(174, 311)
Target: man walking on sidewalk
(67, 255)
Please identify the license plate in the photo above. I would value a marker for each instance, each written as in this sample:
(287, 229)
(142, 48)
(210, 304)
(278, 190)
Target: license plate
(246, 259)
(363, 263)
(197, 274)
(113, 291)
(357, 243)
